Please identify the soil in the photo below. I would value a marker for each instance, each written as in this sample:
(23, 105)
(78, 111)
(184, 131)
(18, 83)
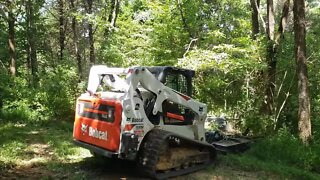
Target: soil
(91, 168)
(40, 162)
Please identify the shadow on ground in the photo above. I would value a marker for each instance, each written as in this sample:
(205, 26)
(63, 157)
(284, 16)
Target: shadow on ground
(46, 151)
(88, 168)
(105, 168)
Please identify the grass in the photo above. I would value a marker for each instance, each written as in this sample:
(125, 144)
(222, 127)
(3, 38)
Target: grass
(18, 140)
(29, 146)
(281, 156)
(250, 163)
(45, 149)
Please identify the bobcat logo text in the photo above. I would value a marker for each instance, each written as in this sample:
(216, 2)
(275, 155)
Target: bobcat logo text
(94, 132)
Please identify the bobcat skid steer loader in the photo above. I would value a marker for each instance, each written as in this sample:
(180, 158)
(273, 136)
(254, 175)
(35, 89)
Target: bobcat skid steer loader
(144, 114)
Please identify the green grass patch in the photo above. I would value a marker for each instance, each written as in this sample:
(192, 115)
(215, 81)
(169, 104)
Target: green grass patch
(282, 154)
(48, 144)
(45, 144)
(284, 171)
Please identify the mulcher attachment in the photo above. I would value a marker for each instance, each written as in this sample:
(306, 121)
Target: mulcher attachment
(227, 144)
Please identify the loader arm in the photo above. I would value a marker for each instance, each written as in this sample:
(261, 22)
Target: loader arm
(142, 76)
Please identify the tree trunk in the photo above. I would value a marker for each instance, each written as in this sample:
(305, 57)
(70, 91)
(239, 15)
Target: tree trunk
(272, 47)
(115, 5)
(90, 29)
(304, 122)
(31, 42)
(270, 20)
(279, 36)
(255, 17)
(113, 15)
(61, 29)
(271, 79)
(272, 64)
(11, 42)
(104, 17)
(75, 39)
(284, 18)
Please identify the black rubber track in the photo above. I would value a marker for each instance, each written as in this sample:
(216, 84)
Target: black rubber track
(151, 149)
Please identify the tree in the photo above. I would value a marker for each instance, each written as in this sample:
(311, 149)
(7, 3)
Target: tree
(74, 26)
(271, 61)
(31, 41)
(88, 7)
(11, 38)
(184, 20)
(304, 122)
(62, 35)
(242, 54)
(114, 11)
(255, 4)
(8, 14)
(274, 39)
(112, 17)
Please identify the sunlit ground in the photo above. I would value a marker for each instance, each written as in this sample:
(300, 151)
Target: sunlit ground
(46, 151)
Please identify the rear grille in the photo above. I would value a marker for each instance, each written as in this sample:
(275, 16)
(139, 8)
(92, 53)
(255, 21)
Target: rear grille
(100, 112)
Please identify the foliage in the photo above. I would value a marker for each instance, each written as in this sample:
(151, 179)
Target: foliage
(227, 81)
(214, 38)
(53, 99)
(59, 90)
(208, 37)
(283, 154)
(285, 150)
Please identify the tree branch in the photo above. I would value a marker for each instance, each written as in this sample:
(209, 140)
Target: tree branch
(284, 101)
(184, 21)
(189, 46)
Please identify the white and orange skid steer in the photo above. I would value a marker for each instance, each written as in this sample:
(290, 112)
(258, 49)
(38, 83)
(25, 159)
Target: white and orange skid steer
(144, 114)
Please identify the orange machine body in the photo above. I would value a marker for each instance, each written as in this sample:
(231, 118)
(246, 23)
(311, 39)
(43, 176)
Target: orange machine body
(97, 122)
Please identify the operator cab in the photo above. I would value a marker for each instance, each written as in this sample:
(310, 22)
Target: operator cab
(180, 80)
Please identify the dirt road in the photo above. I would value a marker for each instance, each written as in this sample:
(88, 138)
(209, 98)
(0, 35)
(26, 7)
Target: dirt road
(91, 168)
(47, 152)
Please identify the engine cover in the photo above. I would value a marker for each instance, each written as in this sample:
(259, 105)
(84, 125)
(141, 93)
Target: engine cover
(97, 122)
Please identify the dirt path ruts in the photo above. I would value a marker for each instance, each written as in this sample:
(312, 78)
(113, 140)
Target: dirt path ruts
(90, 168)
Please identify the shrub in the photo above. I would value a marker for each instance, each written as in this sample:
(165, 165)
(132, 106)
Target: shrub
(60, 89)
(53, 97)
(284, 148)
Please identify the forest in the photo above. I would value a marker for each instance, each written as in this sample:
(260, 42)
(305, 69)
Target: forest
(256, 61)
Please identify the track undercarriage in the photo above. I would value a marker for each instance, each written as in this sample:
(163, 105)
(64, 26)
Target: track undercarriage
(165, 154)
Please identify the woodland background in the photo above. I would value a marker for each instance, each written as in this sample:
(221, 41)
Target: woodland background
(252, 64)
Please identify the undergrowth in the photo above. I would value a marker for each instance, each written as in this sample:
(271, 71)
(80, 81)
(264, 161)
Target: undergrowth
(282, 154)
(52, 98)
